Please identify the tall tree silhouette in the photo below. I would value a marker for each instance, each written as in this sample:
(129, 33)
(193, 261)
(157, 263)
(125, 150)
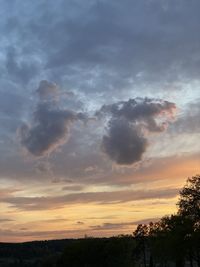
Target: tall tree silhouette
(189, 202)
(189, 207)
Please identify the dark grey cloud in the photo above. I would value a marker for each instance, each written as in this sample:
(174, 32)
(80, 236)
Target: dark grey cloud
(123, 37)
(51, 124)
(12, 107)
(22, 71)
(130, 123)
(142, 41)
(124, 143)
(50, 129)
(11, 104)
(47, 90)
(143, 110)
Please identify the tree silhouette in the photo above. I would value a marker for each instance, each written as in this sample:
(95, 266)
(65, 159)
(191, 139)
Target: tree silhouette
(140, 235)
(189, 207)
(189, 202)
(175, 238)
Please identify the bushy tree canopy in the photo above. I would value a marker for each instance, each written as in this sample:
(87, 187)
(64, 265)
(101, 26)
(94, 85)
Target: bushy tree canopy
(189, 202)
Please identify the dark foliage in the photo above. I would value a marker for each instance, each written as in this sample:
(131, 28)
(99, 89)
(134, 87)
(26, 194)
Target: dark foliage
(189, 202)
(174, 239)
(30, 253)
(97, 252)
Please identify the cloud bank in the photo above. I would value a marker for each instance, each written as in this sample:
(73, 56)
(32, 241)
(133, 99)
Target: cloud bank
(102, 198)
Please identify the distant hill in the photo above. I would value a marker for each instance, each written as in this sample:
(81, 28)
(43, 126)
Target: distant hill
(107, 252)
(30, 253)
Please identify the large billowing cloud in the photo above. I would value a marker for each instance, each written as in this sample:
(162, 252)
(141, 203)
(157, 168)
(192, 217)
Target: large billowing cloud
(51, 124)
(124, 143)
(130, 123)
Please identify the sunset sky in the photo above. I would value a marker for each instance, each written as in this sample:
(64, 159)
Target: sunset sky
(99, 114)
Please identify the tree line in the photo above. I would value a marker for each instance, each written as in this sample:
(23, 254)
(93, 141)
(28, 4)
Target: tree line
(174, 239)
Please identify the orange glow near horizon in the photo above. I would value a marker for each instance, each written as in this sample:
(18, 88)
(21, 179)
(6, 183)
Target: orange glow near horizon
(74, 220)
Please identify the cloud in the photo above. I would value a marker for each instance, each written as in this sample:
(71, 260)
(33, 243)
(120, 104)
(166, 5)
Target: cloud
(102, 198)
(11, 104)
(5, 220)
(170, 170)
(189, 120)
(47, 90)
(88, 40)
(73, 188)
(22, 71)
(109, 226)
(129, 125)
(146, 221)
(124, 144)
(8, 191)
(51, 124)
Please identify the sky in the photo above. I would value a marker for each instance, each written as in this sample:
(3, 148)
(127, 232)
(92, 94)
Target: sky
(99, 114)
